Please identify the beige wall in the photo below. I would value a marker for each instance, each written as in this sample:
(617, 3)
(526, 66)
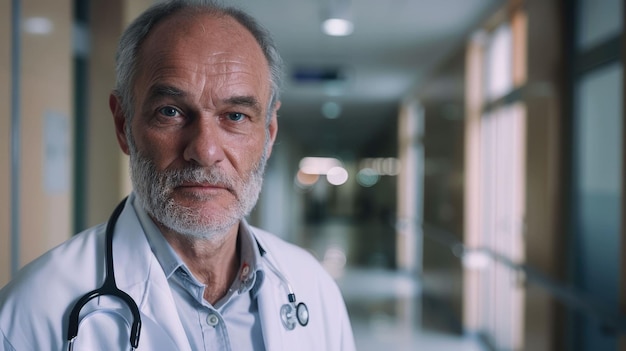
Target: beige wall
(107, 181)
(103, 155)
(46, 89)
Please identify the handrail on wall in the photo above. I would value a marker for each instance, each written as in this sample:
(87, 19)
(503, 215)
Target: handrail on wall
(570, 297)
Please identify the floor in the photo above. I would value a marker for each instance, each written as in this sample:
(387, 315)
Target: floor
(388, 312)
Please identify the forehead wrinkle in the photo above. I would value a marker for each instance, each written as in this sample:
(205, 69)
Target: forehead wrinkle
(224, 59)
(168, 61)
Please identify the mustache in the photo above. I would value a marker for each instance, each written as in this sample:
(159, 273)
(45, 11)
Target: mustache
(146, 172)
(197, 174)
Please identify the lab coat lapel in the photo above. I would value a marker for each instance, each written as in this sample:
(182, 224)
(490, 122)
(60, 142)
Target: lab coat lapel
(139, 274)
(160, 308)
(270, 301)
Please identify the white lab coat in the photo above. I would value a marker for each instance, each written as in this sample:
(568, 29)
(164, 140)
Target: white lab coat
(34, 307)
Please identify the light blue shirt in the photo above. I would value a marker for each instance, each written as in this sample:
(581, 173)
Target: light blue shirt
(233, 323)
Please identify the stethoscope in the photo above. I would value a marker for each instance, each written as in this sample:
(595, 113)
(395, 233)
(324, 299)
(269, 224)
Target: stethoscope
(290, 313)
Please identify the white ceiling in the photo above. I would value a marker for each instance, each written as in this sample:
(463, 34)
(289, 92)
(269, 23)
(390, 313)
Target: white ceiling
(395, 44)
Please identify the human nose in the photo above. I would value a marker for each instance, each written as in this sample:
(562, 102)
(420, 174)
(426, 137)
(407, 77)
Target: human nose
(204, 145)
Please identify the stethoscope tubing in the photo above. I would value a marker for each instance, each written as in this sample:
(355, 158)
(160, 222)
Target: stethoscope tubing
(109, 287)
(290, 312)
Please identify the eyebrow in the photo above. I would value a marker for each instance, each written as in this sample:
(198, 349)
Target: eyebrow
(159, 91)
(245, 101)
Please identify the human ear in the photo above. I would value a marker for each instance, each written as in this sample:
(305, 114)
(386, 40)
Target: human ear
(120, 122)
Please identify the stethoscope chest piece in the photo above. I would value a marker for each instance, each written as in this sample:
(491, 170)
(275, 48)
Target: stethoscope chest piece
(290, 313)
(302, 313)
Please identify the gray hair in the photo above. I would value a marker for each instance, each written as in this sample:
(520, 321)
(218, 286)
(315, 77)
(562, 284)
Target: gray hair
(138, 30)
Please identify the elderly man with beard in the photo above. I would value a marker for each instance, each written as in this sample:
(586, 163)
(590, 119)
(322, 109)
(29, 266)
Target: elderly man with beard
(195, 109)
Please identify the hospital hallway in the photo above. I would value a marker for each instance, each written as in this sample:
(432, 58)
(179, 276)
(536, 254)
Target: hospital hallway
(389, 309)
(457, 166)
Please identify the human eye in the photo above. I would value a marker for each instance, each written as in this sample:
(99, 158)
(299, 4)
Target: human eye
(235, 116)
(169, 111)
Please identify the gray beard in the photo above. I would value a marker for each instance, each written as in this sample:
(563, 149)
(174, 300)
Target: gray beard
(154, 188)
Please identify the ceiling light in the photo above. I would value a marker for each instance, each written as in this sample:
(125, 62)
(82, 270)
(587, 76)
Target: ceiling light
(305, 179)
(337, 21)
(337, 27)
(367, 177)
(318, 165)
(331, 110)
(337, 175)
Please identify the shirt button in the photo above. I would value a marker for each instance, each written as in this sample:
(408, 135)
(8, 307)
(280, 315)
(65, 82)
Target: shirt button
(213, 320)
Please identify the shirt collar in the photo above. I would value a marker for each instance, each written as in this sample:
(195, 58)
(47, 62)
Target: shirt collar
(247, 277)
(249, 269)
(165, 254)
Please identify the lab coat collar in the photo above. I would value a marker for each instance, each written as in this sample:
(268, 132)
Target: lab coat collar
(270, 303)
(143, 278)
(271, 296)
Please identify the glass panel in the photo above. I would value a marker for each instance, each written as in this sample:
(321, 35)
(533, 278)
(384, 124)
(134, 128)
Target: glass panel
(597, 188)
(598, 21)
(499, 63)
(488, 164)
(503, 145)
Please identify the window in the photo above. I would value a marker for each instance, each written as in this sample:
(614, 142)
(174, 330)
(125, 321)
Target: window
(495, 180)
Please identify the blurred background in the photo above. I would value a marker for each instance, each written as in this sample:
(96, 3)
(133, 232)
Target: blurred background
(456, 165)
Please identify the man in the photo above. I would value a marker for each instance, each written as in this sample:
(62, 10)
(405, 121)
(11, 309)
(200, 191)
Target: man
(195, 108)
